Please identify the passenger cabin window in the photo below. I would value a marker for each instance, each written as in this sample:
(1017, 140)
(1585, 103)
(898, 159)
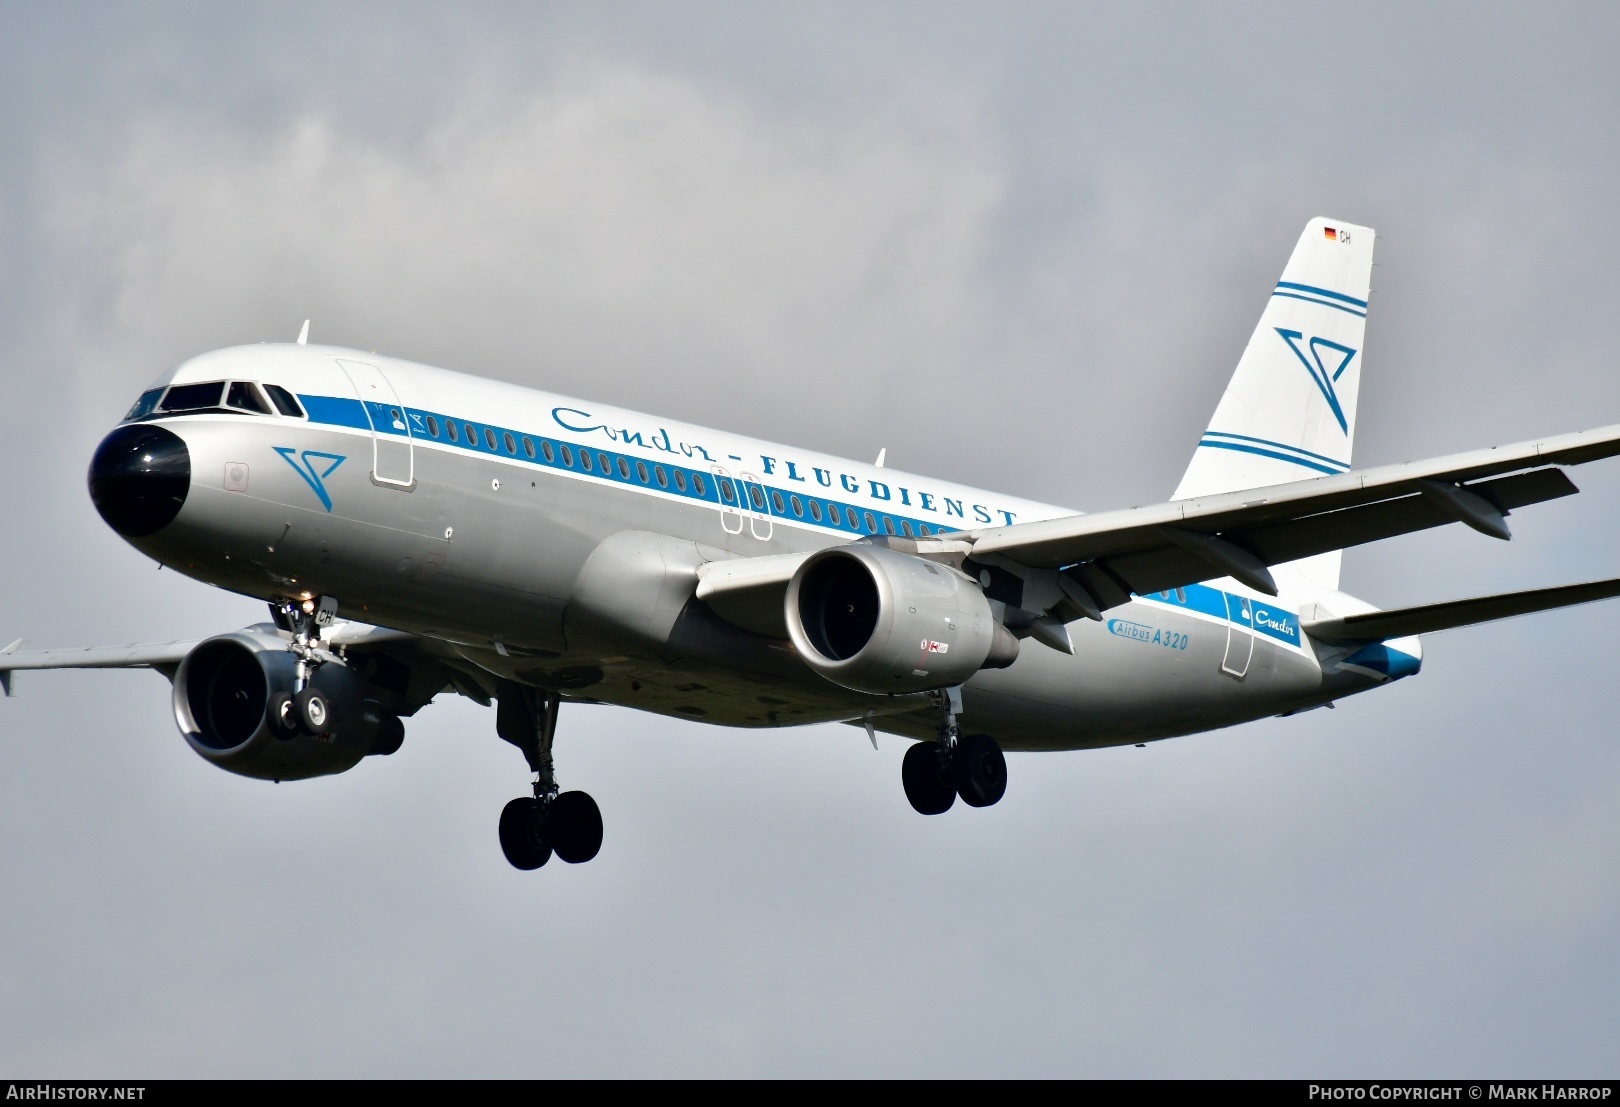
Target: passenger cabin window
(528, 446)
(680, 479)
(145, 405)
(545, 448)
(663, 480)
(193, 397)
(489, 438)
(450, 428)
(433, 426)
(285, 401)
(511, 443)
(697, 484)
(815, 510)
(641, 471)
(244, 396)
(905, 526)
(624, 468)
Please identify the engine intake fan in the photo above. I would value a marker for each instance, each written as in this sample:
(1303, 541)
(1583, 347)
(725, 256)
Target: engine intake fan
(222, 693)
(876, 620)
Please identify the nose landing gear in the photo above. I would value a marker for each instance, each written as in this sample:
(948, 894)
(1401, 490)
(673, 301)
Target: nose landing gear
(935, 773)
(568, 824)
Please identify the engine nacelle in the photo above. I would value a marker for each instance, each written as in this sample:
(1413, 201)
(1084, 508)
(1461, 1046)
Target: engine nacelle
(876, 620)
(221, 698)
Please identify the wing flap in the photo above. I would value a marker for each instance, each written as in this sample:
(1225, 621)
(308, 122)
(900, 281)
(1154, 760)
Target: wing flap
(1377, 626)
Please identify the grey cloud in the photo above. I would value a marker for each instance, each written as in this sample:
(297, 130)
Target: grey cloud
(1022, 249)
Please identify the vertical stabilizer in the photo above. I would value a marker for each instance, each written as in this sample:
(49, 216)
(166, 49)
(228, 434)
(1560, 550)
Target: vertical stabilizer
(1289, 412)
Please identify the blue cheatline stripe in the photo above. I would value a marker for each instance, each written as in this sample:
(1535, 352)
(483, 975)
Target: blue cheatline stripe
(613, 467)
(1328, 292)
(1322, 303)
(1269, 620)
(1381, 659)
(1278, 445)
(1244, 448)
(336, 410)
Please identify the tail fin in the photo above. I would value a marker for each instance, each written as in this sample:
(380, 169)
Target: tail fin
(1289, 412)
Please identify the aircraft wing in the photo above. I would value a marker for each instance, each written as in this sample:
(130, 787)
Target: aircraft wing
(1376, 626)
(165, 657)
(749, 592)
(147, 655)
(1239, 534)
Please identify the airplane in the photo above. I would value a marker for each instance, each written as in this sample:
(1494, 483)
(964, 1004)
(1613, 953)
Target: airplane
(417, 531)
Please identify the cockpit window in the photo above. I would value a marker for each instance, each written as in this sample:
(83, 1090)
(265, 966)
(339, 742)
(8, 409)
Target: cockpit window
(285, 401)
(145, 405)
(244, 396)
(191, 397)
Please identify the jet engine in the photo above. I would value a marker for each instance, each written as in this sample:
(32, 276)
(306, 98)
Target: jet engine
(225, 695)
(876, 620)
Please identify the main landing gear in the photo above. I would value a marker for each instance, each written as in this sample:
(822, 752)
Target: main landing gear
(567, 824)
(935, 773)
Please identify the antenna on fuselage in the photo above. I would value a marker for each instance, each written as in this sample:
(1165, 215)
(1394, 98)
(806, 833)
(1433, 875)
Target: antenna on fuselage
(883, 453)
(303, 335)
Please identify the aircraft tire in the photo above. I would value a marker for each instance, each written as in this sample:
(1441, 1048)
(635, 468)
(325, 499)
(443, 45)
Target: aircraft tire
(313, 711)
(574, 825)
(980, 770)
(522, 834)
(927, 787)
(282, 716)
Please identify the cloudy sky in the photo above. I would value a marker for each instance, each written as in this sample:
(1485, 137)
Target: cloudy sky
(1020, 246)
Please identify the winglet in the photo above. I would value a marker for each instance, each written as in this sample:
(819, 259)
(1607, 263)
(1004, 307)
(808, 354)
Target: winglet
(6, 674)
(303, 335)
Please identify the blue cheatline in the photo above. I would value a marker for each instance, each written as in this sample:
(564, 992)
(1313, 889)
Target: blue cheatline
(702, 485)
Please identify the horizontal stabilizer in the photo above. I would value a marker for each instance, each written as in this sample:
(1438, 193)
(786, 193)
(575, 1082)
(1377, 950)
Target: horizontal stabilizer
(1377, 626)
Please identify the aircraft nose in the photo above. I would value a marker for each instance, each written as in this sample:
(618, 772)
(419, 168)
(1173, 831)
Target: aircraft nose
(139, 479)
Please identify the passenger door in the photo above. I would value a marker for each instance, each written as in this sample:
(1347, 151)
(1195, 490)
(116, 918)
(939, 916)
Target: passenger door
(1239, 636)
(393, 460)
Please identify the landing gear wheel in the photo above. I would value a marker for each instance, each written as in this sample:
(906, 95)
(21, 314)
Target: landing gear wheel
(980, 770)
(283, 717)
(927, 787)
(523, 834)
(313, 711)
(574, 824)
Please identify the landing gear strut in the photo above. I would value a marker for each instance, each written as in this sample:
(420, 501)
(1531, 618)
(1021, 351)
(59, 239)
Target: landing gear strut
(935, 773)
(305, 709)
(567, 824)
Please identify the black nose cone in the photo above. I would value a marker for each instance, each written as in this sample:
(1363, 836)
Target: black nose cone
(139, 479)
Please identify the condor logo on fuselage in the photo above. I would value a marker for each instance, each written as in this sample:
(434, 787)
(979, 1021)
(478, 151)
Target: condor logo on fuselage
(313, 466)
